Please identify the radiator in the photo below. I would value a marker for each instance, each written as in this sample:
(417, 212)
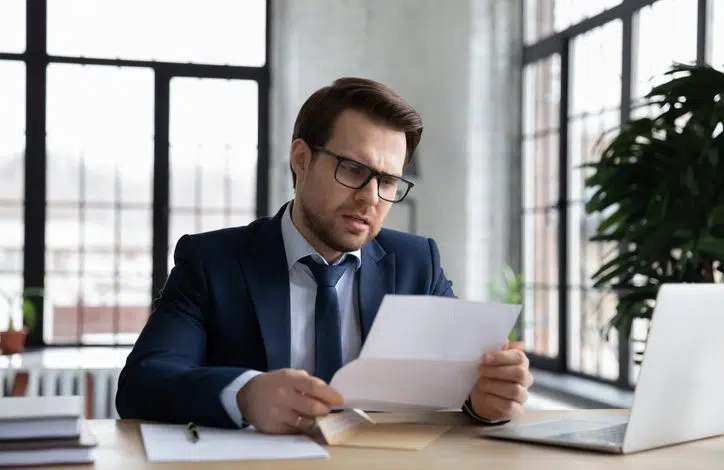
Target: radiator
(97, 386)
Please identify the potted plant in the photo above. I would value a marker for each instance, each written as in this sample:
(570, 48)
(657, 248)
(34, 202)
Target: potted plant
(12, 340)
(509, 290)
(659, 185)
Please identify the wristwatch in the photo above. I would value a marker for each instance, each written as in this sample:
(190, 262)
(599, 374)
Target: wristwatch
(468, 407)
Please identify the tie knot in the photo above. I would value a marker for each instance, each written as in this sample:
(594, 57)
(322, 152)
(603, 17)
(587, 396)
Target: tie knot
(324, 274)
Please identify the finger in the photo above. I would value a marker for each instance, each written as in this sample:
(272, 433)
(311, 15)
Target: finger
(516, 374)
(318, 389)
(503, 408)
(306, 404)
(506, 390)
(505, 358)
(295, 421)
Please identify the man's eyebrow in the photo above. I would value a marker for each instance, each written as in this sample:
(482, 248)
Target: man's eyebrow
(356, 159)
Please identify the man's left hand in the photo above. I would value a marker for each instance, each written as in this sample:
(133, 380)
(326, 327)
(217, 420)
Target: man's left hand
(503, 382)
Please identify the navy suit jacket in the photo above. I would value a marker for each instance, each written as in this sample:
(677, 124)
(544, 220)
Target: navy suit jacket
(225, 309)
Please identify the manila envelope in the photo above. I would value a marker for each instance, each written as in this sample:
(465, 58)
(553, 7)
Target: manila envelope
(354, 428)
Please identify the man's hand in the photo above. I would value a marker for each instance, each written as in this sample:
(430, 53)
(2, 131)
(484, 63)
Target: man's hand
(503, 382)
(285, 401)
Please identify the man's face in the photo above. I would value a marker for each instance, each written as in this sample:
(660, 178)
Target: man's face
(335, 218)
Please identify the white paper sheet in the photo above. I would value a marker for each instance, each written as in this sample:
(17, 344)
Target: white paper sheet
(423, 352)
(170, 443)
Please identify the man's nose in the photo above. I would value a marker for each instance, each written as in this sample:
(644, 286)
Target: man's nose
(368, 193)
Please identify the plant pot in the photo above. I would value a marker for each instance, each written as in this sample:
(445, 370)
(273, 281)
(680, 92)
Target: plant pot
(12, 341)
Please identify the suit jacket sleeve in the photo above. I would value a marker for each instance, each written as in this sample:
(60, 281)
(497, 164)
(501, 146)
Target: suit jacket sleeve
(443, 287)
(165, 378)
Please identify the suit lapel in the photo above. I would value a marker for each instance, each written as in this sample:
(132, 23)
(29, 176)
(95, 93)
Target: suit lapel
(265, 267)
(376, 278)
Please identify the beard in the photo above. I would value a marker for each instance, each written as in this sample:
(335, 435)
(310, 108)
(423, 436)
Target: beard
(323, 230)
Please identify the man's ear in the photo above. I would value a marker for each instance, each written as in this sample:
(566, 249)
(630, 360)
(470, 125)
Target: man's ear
(299, 158)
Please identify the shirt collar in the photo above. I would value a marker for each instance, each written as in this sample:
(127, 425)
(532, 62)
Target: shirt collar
(297, 247)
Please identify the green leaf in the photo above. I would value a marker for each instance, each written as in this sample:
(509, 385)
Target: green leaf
(712, 247)
(690, 181)
(716, 222)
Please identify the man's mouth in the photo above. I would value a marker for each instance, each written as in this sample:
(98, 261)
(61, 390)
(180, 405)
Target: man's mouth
(357, 221)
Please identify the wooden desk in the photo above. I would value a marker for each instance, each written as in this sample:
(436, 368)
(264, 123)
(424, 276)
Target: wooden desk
(120, 447)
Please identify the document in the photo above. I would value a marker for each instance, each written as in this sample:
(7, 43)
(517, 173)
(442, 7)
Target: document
(354, 428)
(171, 443)
(423, 352)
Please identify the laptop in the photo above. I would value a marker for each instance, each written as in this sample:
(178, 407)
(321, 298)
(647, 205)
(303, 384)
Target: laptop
(680, 387)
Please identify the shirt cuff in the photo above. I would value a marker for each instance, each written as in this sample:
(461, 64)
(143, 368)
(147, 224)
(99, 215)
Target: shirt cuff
(468, 408)
(228, 396)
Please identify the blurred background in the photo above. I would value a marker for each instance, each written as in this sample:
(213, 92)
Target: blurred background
(126, 124)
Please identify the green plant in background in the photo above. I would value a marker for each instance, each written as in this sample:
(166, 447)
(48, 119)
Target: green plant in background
(659, 185)
(509, 290)
(27, 306)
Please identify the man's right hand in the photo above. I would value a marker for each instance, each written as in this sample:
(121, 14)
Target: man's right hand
(286, 401)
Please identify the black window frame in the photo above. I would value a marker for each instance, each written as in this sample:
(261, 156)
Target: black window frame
(36, 60)
(559, 44)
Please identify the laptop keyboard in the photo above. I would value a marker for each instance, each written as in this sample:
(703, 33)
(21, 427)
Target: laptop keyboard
(608, 435)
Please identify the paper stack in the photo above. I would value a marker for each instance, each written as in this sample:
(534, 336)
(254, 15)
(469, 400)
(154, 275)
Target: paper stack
(44, 431)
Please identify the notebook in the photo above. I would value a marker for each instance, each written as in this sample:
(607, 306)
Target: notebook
(78, 450)
(49, 417)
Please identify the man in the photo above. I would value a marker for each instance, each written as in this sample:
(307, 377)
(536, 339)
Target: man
(253, 321)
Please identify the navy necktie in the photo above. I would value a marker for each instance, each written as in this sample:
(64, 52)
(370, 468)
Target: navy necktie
(328, 353)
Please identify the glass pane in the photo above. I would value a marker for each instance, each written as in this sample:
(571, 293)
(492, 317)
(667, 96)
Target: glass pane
(12, 177)
(218, 32)
(12, 26)
(716, 33)
(543, 17)
(595, 81)
(666, 33)
(213, 152)
(100, 142)
(540, 321)
(590, 352)
(135, 228)
(541, 155)
(541, 279)
(541, 95)
(62, 302)
(587, 137)
(595, 100)
(12, 131)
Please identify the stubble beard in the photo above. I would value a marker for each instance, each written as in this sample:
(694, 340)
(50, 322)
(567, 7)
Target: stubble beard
(324, 232)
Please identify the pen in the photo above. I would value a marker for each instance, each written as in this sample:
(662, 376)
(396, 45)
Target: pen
(192, 432)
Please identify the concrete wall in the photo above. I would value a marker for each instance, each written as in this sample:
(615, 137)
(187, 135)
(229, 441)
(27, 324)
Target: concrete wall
(457, 62)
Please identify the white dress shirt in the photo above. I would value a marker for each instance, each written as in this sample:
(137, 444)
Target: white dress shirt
(302, 295)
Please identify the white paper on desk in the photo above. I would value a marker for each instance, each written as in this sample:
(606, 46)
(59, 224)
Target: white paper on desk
(422, 353)
(170, 443)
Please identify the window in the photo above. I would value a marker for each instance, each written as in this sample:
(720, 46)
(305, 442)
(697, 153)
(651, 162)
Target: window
(12, 26)
(592, 71)
(213, 154)
(540, 218)
(144, 124)
(543, 17)
(98, 228)
(594, 109)
(221, 32)
(12, 169)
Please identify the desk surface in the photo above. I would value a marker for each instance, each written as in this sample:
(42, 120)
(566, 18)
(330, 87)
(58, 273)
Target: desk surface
(120, 447)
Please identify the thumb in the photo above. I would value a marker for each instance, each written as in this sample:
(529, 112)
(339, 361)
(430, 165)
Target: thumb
(515, 345)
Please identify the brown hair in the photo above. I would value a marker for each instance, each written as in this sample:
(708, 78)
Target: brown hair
(318, 114)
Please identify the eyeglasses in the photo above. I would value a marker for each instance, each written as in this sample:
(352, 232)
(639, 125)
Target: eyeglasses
(356, 175)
